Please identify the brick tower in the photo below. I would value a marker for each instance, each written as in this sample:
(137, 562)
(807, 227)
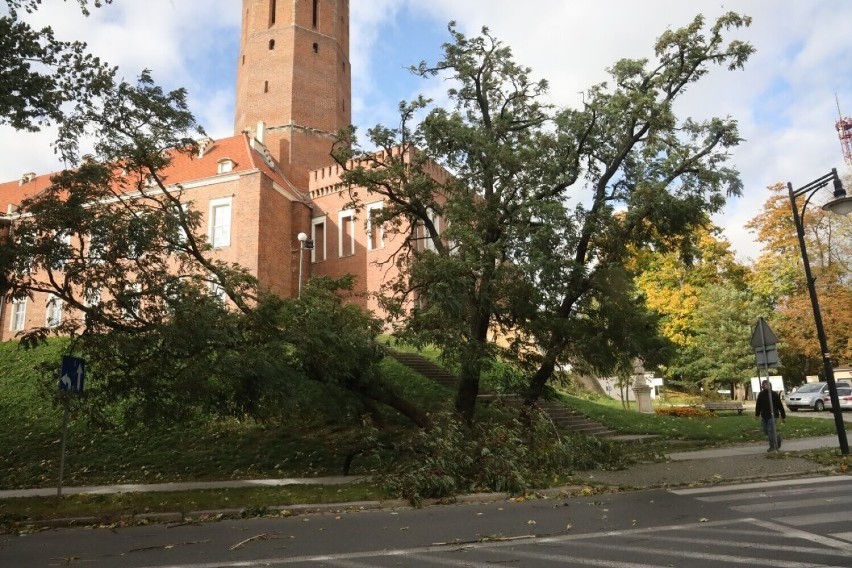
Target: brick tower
(293, 75)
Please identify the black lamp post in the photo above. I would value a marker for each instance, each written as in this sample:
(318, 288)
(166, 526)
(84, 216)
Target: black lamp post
(842, 205)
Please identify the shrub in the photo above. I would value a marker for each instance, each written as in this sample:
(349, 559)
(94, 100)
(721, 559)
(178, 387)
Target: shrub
(506, 451)
(685, 411)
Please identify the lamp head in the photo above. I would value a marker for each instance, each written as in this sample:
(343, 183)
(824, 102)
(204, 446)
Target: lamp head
(841, 204)
(302, 237)
(839, 191)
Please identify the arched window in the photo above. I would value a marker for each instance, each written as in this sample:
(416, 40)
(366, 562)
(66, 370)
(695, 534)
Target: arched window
(316, 13)
(272, 44)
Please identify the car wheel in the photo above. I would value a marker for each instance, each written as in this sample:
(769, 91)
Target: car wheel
(819, 406)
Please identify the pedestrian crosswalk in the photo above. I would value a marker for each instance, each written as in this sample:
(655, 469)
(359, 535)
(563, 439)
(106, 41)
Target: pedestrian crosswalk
(786, 524)
(822, 505)
(802, 523)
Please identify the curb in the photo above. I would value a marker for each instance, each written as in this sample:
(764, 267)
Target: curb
(212, 515)
(280, 510)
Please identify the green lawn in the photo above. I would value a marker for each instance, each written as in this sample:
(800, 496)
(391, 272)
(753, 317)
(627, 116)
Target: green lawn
(715, 429)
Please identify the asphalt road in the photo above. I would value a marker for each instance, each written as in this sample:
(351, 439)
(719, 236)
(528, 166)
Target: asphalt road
(789, 523)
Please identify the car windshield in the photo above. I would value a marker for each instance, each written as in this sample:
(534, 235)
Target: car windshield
(812, 387)
(844, 392)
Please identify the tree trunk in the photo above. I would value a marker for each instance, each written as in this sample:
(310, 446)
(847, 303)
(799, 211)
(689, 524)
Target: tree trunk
(468, 391)
(391, 399)
(537, 382)
(471, 368)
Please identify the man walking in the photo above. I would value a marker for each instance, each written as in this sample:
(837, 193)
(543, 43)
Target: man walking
(769, 408)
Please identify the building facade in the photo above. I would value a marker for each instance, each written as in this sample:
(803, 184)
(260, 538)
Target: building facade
(275, 177)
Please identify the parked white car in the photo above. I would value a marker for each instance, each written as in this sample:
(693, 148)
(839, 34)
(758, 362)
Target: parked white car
(844, 397)
(810, 395)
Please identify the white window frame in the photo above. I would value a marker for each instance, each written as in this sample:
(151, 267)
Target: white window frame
(428, 244)
(53, 313)
(92, 297)
(133, 312)
(315, 222)
(225, 165)
(378, 206)
(19, 315)
(64, 238)
(95, 247)
(216, 290)
(345, 214)
(224, 232)
(182, 236)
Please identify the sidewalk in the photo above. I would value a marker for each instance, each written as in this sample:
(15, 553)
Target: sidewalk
(701, 466)
(720, 465)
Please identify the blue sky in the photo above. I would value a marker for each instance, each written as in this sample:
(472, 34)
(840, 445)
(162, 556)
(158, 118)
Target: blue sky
(784, 100)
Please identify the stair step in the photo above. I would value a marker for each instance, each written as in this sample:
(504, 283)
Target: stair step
(562, 417)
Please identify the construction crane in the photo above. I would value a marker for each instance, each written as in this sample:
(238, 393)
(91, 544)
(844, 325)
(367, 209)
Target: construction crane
(844, 132)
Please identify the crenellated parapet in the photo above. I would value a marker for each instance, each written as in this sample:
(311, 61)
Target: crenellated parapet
(328, 180)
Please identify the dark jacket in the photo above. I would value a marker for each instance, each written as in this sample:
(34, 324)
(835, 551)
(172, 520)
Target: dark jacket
(761, 407)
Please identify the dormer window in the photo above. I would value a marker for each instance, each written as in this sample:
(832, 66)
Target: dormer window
(27, 177)
(225, 165)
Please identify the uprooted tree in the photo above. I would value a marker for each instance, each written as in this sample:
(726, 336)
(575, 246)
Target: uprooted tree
(529, 237)
(168, 329)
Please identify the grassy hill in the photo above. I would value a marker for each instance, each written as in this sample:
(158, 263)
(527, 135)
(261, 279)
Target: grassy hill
(307, 444)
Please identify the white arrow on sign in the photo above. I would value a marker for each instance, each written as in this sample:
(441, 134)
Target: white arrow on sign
(66, 381)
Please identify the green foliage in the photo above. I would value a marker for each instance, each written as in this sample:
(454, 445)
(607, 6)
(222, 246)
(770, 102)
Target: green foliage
(503, 452)
(544, 204)
(42, 76)
(720, 353)
(312, 434)
(207, 360)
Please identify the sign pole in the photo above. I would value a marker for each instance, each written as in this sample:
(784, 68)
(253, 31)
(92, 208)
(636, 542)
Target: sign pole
(66, 416)
(72, 375)
(764, 340)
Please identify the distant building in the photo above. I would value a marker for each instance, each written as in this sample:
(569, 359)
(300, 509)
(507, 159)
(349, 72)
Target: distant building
(274, 178)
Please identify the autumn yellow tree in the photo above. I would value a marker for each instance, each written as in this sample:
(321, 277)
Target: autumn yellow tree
(677, 285)
(778, 275)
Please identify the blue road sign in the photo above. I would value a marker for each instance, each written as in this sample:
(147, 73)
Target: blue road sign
(72, 374)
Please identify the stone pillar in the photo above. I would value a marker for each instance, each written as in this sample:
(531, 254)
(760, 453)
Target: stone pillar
(641, 389)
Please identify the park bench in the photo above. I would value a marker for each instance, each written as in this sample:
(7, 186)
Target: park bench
(732, 405)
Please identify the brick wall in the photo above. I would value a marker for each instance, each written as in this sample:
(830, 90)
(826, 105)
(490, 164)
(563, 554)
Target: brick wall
(295, 77)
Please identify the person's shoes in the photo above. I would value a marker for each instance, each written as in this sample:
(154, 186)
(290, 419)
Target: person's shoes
(771, 450)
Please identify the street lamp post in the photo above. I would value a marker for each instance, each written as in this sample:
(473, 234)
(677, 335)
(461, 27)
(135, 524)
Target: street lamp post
(842, 205)
(302, 238)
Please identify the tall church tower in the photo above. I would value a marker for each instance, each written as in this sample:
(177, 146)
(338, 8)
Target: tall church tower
(293, 75)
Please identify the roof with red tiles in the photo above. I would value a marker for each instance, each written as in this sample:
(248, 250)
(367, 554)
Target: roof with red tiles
(183, 169)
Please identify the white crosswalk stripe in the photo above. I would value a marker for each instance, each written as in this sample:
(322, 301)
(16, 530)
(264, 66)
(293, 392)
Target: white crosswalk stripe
(822, 504)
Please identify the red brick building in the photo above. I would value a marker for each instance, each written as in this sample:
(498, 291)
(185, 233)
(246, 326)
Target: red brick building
(275, 178)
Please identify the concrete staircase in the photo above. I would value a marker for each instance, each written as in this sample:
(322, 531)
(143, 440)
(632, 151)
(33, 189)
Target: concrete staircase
(562, 417)
(426, 368)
